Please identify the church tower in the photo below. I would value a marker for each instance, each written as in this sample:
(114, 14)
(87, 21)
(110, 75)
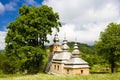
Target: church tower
(56, 45)
(76, 52)
(65, 47)
(56, 48)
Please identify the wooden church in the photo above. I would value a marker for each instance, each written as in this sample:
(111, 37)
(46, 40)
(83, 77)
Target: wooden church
(63, 62)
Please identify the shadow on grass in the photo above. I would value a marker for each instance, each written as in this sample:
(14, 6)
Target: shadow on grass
(100, 72)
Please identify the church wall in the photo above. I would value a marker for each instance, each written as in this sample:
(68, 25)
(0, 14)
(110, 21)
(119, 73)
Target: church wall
(57, 68)
(57, 48)
(73, 71)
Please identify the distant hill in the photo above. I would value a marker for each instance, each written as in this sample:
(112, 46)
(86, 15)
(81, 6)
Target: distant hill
(85, 48)
(1, 51)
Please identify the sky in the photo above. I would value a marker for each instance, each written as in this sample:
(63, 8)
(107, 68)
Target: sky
(81, 19)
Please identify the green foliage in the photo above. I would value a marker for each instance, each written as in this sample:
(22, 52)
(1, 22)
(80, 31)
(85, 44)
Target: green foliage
(109, 44)
(92, 59)
(2, 57)
(9, 64)
(26, 38)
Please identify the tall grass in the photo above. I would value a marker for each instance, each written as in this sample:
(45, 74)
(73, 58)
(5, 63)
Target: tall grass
(42, 76)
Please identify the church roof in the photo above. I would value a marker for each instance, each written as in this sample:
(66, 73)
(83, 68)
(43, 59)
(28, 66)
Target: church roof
(76, 63)
(62, 56)
(76, 66)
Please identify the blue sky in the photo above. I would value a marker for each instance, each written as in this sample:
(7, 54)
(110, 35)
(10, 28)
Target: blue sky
(81, 19)
(10, 10)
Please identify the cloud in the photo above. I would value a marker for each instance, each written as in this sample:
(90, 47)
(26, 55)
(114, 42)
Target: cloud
(70, 10)
(31, 2)
(85, 19)
(1, 8)
(11, 6)
(2, 41)
(88, 35)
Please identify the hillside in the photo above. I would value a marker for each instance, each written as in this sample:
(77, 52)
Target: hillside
(84, 48)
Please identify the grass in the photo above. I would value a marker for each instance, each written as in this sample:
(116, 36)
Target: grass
(42, 76)
(96, 74)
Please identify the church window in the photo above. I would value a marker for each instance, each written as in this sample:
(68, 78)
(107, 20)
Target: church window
(54, 66)
(58, 67)
(67, 71)
(81, 71)
(56, 48)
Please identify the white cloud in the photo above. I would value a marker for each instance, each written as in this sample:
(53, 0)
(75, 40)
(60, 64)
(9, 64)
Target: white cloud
(85, 19)
(2, 41)
(84, 11)
(11, 6)
(88, 35)
(1, 8)
(31, 2)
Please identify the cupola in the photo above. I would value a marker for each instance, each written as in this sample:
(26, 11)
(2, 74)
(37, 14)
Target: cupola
(65, 47)
(76, 52)
(56, 39)
(56, 45)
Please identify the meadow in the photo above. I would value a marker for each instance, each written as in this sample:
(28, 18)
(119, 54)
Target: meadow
(43, 76)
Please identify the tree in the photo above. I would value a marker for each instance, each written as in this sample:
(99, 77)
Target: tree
(2, 57)
(109, 44)
(27, 35)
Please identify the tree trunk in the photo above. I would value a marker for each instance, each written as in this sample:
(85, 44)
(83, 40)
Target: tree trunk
(112, 66)
(40, 62)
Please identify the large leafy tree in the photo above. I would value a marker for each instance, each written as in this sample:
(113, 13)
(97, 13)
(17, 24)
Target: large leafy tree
(109, 44)
(27, 35)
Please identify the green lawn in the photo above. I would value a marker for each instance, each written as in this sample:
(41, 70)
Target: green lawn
(42, 76)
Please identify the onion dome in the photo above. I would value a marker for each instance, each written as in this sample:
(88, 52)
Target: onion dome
(57, 45)
(65, 47)
(56, 39)
(76, 52)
